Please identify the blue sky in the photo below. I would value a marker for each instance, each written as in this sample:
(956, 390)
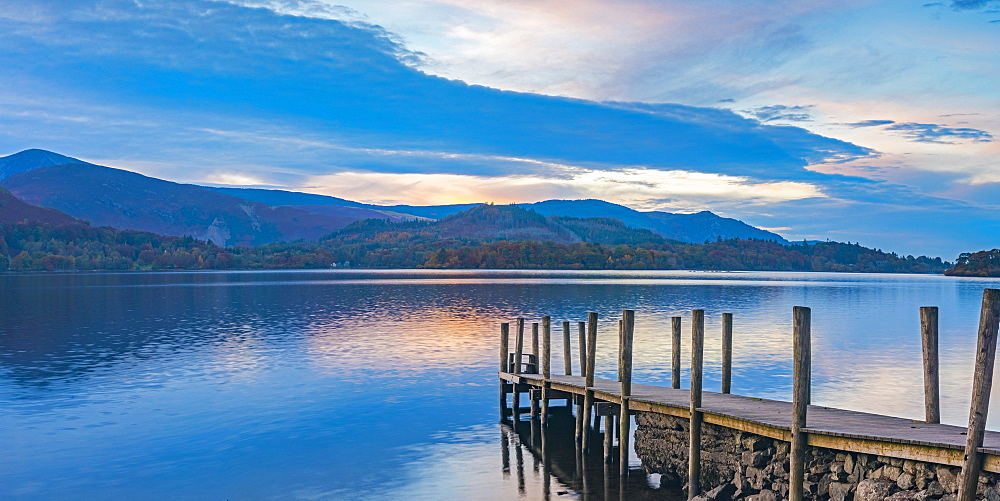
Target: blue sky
(861, 121)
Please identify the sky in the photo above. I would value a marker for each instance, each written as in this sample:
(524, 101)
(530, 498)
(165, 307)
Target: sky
(866, 121)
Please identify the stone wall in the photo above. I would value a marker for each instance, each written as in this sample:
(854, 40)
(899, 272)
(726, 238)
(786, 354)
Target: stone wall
(739, 465)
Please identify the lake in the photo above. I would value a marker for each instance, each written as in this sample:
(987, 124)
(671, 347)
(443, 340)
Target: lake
(348, 384)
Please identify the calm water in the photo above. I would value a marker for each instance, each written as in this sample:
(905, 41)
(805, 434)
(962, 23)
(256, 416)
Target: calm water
(381, 385)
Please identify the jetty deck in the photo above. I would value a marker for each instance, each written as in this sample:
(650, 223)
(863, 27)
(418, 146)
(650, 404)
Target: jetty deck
(826, 427)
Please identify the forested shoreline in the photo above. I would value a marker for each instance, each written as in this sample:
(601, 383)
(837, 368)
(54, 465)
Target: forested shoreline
(46, 247)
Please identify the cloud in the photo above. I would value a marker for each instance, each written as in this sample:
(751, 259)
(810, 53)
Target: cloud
(636, 187)
(934, 133)
(777, 112)
(929, 133)
(870, 123)
(974, 4)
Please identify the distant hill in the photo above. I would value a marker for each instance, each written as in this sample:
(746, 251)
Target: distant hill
(694, 228)
(13, 210)
(492, 223)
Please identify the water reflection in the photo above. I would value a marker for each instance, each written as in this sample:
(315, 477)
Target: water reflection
(351, 384)
(562, 468)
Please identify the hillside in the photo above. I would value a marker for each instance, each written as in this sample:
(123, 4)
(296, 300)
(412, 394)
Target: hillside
(465, 240)
(126, 200)
(699, 227)
(13, 210)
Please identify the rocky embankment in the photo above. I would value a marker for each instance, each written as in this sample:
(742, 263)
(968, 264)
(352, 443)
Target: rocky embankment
(739, 465)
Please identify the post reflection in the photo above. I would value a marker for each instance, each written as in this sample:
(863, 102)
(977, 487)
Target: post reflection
(563, 470)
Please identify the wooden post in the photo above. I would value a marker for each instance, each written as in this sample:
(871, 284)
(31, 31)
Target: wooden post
(727, 352)
(625, 361)
(518, 353)
(802, 354)
(694, 442)
(620, 348)
(675, 353)
(546, 366)
(534, 346)
(929, 340)
(588, 399)
(582, 327)
(986, 350)
(567, 351)
(504, 348)
(609, 438)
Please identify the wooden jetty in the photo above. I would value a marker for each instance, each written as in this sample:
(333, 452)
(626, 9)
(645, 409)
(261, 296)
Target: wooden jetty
(798, 422)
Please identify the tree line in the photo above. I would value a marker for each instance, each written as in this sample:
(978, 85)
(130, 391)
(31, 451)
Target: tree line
(379, 244)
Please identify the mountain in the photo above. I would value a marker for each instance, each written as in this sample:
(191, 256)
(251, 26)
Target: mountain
(126, 200)
(13, 210)
(493, 223)
(695, 228)
(28, 160)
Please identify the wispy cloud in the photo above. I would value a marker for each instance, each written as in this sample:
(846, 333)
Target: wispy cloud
(781, 113)
(929, 133)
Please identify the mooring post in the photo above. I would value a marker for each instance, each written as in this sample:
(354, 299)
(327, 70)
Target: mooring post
(621, 341)
(802, 354)
(609, 438)
(504, 348)
(518, 354)
(929, 340)
(582, 328)
(694, 438)
(546, 366)
(982, 383)
(727, 352)
(588, 399)
(624, 423)
(675, 352)
(534, 346)
(567, 351)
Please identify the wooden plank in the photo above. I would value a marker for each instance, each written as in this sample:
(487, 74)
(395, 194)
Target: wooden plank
(929, 342)
(986, 351)
(802, 353)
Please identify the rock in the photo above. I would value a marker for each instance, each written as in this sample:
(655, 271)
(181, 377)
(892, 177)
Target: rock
(820, 468)
(755, 443)
(891, 472)
(947, 479)
(902, 496)
(934, 489)
(905, 481)
(909, 466)
(950, 497)
(991, 495)
(873, 489)
(764, 495)
(839, 491)
(849, 464)
(723, 492)
(756, 459)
